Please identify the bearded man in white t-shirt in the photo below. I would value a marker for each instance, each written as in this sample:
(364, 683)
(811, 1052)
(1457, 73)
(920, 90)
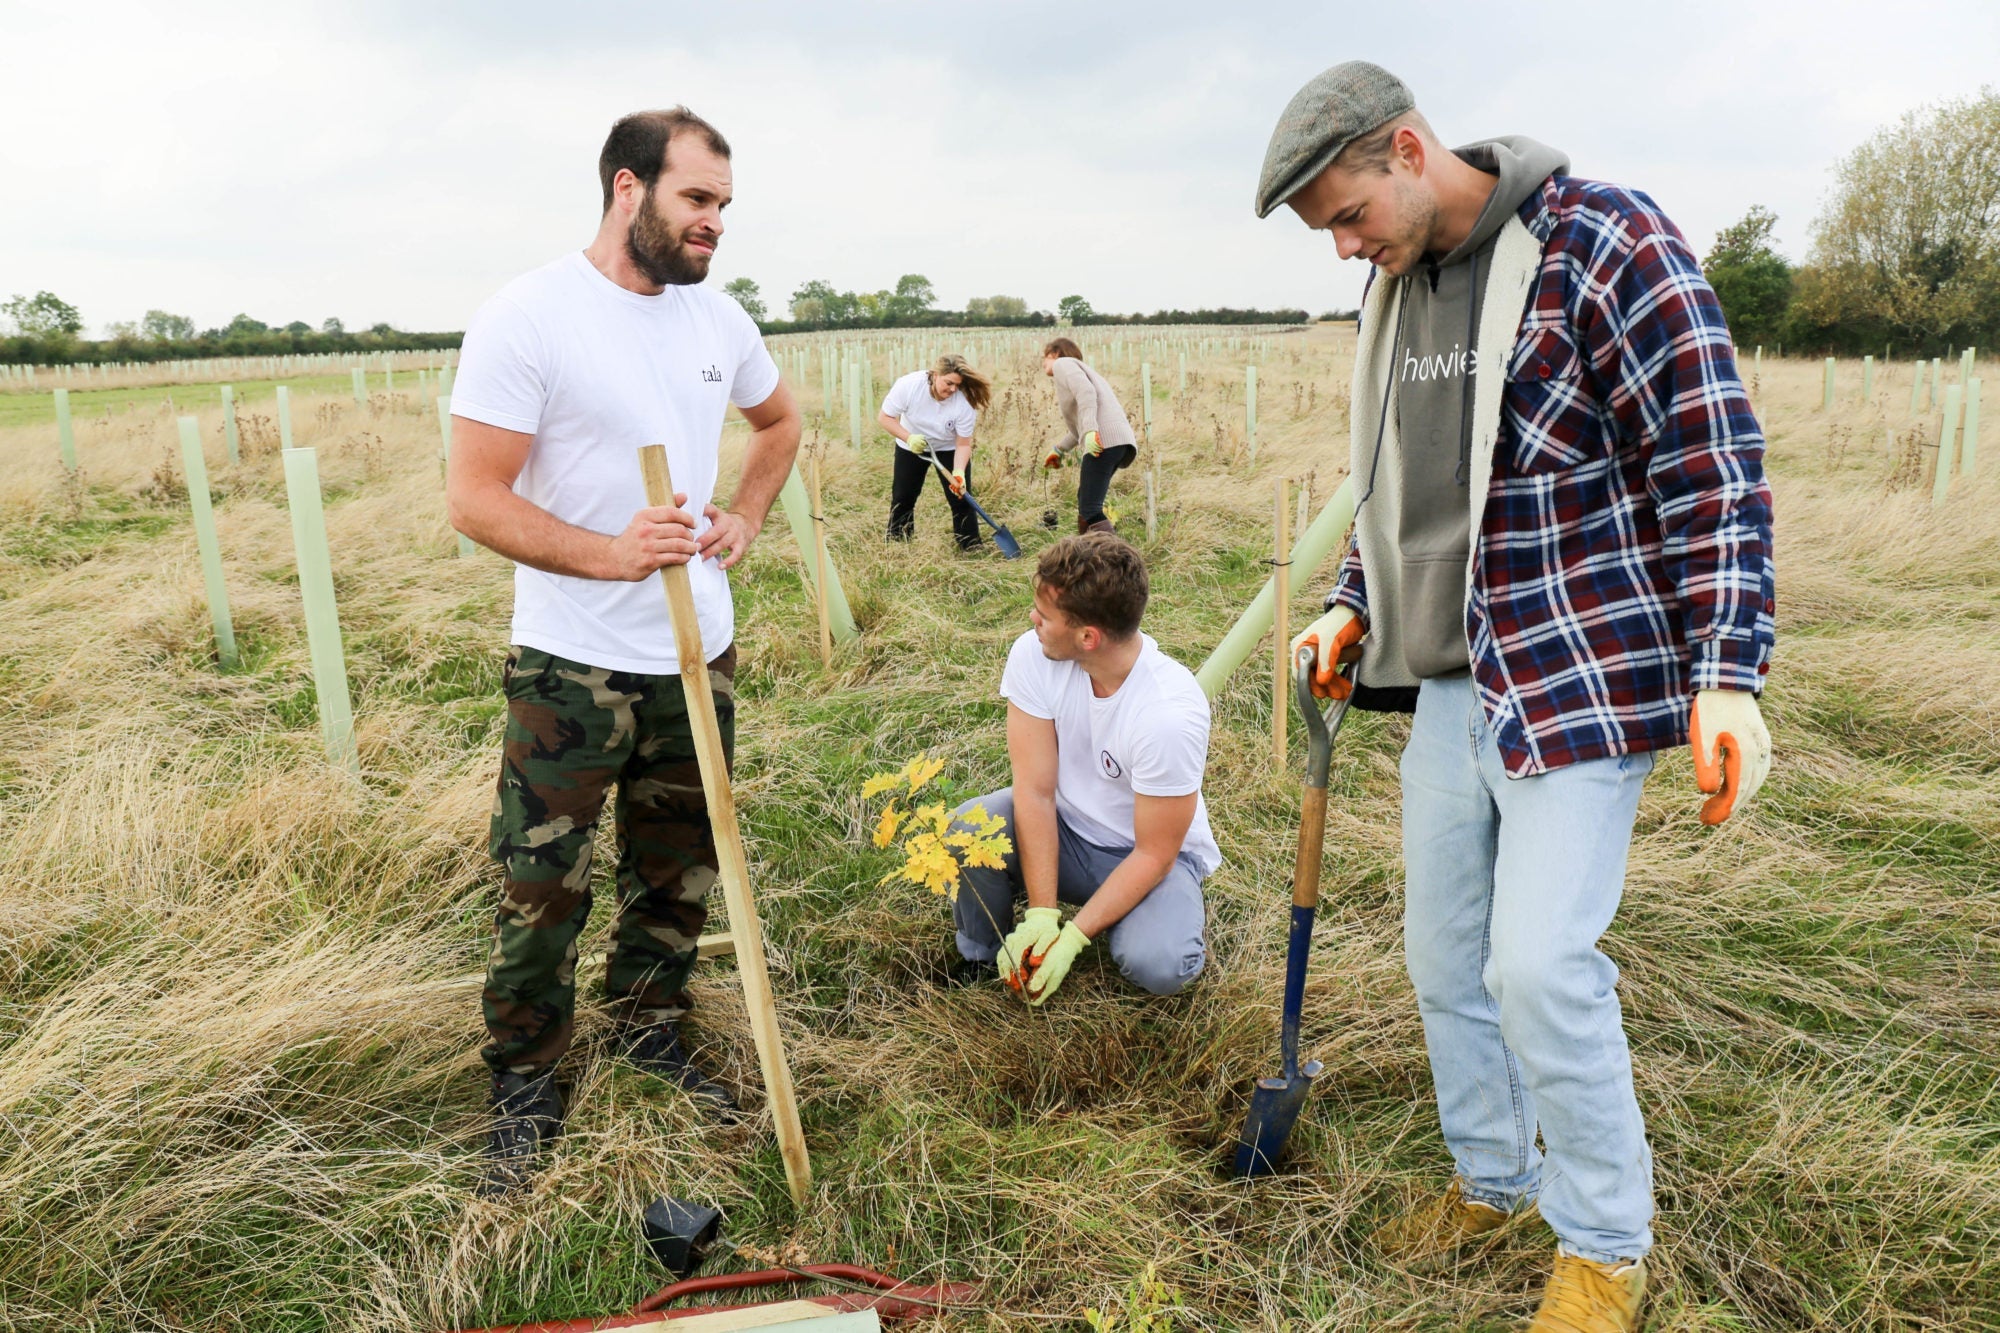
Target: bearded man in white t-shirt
(563, 376)
(1108, 737)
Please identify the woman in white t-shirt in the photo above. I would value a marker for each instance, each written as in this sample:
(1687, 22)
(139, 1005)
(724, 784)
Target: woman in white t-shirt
(924, 409)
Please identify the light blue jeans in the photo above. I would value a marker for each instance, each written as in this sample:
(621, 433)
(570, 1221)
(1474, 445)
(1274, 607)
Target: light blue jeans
(1510, 883)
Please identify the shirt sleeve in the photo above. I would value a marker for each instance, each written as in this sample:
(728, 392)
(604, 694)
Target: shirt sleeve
(1025, 682)
(1350, 588)
(756, 376)
(1658, 340)
(1075, 381)
(502, 376)
(1169, 759)
(965, 421)
(897, 401)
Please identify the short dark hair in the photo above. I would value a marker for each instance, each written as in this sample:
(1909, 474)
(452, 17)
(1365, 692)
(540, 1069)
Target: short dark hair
(1095, 578)
(638, 143)
(1062, 347)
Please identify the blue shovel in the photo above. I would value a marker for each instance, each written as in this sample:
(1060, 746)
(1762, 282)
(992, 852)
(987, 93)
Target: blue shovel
(1001, 537)
(1276, 1103)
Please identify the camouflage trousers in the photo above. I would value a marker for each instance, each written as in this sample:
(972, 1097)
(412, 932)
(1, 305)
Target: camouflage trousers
(573, 732)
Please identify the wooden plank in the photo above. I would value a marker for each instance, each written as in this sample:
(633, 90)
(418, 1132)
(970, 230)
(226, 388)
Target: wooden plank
(801, 1315)
(715, 946)
(744, 923)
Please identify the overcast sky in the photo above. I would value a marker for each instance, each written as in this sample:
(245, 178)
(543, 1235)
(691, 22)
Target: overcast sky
(376, 161)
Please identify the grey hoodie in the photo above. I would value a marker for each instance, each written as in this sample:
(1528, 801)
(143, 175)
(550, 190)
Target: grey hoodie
(1434, 370)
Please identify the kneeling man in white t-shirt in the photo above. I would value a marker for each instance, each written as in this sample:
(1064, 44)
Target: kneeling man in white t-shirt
(1108, 737)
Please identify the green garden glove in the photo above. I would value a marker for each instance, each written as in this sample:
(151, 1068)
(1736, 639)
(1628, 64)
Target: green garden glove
(1030, 940)
(918, 444)
(1091, 444)
(1054, 964)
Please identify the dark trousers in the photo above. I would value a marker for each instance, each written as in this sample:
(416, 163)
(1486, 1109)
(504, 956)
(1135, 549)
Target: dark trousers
(908, 484)
(1095, 480)
(574, 732)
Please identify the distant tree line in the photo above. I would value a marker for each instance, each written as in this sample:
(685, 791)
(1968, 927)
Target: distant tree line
(1905, 257)
(44, 329)
(819, 305)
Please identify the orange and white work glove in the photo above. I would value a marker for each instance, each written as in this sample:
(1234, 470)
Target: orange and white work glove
(1334, 636)
(1091, 444)
(1732, 751)
(1053, 460)
(957, 482)
(1024, 948)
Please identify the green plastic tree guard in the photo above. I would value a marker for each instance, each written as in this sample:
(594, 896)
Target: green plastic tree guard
(1250, 628)
(285, 419)
(1916, 387)
(798, 512)
(1826, 388)
(1868, 379)
(229, 436)
(1250, 408)
(329, 660)
(360, 387)
(65, 434)
(196, 468)
(1968, 452)
(1146, 396)
(1947, 444)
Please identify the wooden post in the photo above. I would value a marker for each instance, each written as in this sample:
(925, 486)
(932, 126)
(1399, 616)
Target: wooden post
(65, 433)
(195, 466)
(1947, 444)
(285, 425)
(1250, 408)
(744, 926)
(1281, 625)
(819, 567)
(329, 661)
(229, 436)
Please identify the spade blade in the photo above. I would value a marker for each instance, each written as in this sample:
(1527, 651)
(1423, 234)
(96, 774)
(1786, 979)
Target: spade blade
(1274, 1109)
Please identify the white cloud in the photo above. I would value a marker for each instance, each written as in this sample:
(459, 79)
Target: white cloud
(373, 162)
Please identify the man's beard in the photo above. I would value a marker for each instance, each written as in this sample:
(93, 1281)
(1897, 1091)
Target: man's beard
(659, 254)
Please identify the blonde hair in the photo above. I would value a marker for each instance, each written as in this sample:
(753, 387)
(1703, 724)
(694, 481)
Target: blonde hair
(978, 390)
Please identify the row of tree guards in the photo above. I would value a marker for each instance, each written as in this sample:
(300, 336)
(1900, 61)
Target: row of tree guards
(1958, 419)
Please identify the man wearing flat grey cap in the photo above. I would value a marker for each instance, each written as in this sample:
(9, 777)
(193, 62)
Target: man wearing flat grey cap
(1562, 567)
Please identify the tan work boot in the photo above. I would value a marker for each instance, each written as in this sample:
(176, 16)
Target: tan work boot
(1430, 1235)
(1586, 1297)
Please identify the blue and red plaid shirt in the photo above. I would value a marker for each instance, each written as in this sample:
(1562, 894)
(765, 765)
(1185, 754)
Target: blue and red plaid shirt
(1624, 560)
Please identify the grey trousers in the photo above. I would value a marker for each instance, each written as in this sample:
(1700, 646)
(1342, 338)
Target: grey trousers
(1158, 945)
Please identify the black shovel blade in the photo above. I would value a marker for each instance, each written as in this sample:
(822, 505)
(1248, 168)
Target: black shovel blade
(1274, 1109)
(1005, 541)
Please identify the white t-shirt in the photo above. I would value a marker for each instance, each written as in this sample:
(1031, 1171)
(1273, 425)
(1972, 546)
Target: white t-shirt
(942, 424)
(1150, 738)
(593, 372)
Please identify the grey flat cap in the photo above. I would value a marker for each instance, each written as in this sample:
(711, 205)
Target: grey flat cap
(1335, 108)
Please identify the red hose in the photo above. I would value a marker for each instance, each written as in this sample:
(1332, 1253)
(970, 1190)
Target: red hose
(899, 1299)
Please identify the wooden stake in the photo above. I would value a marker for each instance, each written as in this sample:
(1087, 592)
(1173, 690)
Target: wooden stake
(1152, 498)
(1281, 578)
(819, 567)
(744, 926)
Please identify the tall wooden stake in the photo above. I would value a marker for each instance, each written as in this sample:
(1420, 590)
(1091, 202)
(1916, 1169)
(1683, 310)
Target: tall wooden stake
(819, 567)
(744, 925)
(1281, 580)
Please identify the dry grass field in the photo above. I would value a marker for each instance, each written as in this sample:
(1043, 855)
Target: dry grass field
(238, 988)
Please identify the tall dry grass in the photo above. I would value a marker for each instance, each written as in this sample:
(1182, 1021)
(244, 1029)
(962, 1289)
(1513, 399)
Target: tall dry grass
(238, 1086)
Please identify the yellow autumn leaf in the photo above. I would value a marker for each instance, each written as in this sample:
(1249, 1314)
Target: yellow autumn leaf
(921, 770)
(878, 784)
(885, 828)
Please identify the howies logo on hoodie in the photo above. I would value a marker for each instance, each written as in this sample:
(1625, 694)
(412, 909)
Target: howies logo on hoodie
(1436, 367)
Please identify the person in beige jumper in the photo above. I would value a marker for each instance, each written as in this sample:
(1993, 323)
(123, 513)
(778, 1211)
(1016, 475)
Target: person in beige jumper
(1097, 429)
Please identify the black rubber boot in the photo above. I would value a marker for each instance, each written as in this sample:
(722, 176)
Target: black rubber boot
(968, 972)
(527, 1114)
(658, 1051)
